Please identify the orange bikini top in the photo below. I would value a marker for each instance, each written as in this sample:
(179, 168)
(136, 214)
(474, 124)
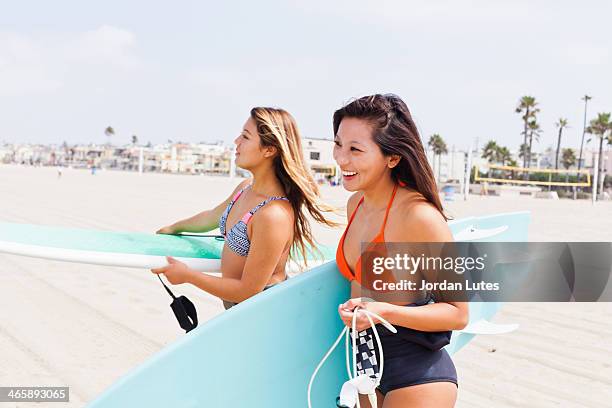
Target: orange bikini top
(379, 238)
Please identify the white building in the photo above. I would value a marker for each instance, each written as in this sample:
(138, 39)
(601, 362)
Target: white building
(451, 166)
(318, 154)
(589, 157)
(6, 153)
(200, 158)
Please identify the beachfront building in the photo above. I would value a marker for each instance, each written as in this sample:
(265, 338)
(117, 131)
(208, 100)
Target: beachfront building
(196, 159)
(588, 160)
(87, 156)
(450, 167)
(29, 154)
(175, 158)
(6, 153)
(318, 154)
(213, 158)
(590, 156)
(152, 157)
(547, 159)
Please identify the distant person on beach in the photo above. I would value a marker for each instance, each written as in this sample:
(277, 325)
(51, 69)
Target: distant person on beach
(263, 218)
(484, 189)
(395, 199)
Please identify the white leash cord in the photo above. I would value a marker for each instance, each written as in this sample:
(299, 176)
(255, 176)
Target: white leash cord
(333, 347)
(346, 333)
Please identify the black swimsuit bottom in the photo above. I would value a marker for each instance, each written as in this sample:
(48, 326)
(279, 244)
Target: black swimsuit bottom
(412, 357)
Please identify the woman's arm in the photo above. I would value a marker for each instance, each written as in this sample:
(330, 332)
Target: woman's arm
(204, 221)
(432, 317)
(272, 229)
(426, 224)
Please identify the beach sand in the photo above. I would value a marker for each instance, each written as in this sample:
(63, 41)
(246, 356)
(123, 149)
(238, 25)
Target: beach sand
(84, 326)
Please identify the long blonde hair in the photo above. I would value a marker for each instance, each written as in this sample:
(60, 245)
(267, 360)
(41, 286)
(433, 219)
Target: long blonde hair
(277, 128)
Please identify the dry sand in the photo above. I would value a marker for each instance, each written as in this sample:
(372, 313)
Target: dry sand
(84, 326)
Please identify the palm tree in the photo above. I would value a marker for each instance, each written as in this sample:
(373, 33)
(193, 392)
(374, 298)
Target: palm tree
(134, 139)
(561, 124)
(495, 153)
(601, 127)
(568, 159)
(490, 150)
(586, 99)
(534, 133)
(503, 155)
(109, 131)
(523, 150)
(439, 148)
(512, 163)
(431, 143)
(528, 107)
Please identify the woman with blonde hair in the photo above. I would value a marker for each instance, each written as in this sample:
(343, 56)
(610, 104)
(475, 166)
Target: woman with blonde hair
(263, 219)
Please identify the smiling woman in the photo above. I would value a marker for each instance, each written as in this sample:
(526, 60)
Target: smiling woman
(382, 124)
(264, 217)
(382, 159)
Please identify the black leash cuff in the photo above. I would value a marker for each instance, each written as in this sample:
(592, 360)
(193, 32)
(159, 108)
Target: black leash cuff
(183, 309)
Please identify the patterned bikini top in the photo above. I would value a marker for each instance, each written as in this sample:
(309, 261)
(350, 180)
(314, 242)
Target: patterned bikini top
(237, 238)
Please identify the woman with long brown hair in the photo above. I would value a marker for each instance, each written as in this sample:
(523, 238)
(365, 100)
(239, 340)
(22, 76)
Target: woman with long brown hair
(263, 218)
(382, 159)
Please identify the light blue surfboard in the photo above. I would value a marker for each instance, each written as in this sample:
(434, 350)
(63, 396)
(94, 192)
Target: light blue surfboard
(125, 249)
(262, 352)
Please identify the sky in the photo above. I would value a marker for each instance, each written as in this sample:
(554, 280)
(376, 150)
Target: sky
(190, 71)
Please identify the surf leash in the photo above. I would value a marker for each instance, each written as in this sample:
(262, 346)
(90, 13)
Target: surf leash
(183, 309)
(215, 236)
(358, 383)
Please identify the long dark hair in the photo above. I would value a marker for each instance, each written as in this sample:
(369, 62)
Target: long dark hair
(395, 133)
(277, 128)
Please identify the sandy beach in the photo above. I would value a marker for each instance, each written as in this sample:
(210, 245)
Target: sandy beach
(84, 326)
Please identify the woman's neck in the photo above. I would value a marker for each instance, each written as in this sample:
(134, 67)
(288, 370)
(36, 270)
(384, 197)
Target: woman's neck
(266, 183)
(377, 197)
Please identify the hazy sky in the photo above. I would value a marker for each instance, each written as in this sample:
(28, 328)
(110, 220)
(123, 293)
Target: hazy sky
(191, 71)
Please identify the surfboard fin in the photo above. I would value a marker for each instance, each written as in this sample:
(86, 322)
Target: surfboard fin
(472, 233)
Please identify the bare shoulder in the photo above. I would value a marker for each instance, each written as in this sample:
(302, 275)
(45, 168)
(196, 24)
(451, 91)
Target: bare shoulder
(243, 184)
(239, 187)
(218, 210)
(274, 215)
(421, 219)
(352, 203)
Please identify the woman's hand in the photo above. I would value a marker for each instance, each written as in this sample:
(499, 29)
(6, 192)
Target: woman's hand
(346, 311)
(176, 272)
(166, 230)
